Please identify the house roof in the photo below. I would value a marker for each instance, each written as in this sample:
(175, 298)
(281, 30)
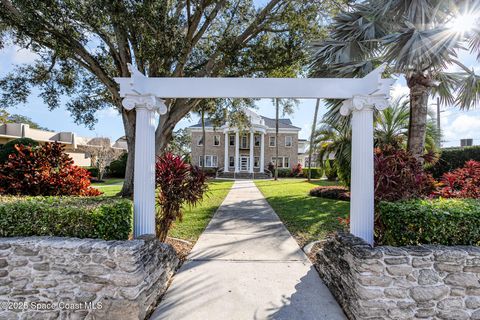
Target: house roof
(270, 123)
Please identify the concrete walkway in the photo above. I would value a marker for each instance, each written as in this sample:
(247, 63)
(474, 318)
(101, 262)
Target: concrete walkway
(246, 265)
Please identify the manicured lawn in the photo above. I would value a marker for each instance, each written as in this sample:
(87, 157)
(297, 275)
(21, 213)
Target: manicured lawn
(307, 218)
(194, 219)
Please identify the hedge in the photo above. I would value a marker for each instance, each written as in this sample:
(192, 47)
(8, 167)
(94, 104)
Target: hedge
(437, 221)
(453, 158)
(117, 168)
(81, 217)
(317, 173)
(93, 172)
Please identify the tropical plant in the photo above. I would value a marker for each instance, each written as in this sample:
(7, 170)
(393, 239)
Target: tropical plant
(178, 184)
(286, 106)
(9, 147)
(312, 137)
(414, 38)
(462, 182)
(46, 170)
(82, 45)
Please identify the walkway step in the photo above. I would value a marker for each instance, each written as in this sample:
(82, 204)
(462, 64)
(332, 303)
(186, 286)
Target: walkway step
(246, 265)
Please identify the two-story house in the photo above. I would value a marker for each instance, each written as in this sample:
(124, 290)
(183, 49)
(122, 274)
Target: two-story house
(245, 151)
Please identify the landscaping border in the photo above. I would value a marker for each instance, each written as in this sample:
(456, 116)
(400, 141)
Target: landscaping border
(427, 282)
(82, 278)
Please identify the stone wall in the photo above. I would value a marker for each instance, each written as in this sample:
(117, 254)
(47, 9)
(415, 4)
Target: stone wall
(424, 282)
(82, 278)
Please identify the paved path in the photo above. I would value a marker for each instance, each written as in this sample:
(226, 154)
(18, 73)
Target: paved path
(246, 265)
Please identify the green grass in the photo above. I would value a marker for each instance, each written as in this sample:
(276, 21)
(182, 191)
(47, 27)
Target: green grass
(196, 219)
(307, 218)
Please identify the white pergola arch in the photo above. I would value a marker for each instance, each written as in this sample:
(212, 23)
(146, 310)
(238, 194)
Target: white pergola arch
(361, 96)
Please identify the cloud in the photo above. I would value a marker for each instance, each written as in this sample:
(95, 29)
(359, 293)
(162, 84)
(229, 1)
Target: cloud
(19, 56)
(464, 126)
(399, 90)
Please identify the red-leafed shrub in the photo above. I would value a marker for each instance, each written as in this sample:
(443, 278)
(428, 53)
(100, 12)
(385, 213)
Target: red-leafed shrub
(178, 183)
(462, 182)
(46, 171)
(331, 192)
(399, 176)
(297, 170)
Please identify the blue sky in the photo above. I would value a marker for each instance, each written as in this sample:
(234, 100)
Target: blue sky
(456, 124)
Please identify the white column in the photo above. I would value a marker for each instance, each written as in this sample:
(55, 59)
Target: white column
(362, 170)
(237, 151)
(225, 166)
(262, 152)
(144, 169)
(252, 143)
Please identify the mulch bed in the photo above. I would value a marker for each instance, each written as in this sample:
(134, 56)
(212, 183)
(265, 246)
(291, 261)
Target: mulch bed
(182, 247)
(331, 192)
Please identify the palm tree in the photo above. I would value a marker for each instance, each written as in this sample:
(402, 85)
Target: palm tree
(414, 39)
(312, 137)
(286, 106)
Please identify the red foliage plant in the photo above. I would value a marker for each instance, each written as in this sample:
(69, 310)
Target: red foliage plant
(399, 176)
(297, 170)
(462, 182)
(178, 183)
(44, 171)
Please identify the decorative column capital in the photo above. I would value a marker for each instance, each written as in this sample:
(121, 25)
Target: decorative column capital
(358, 103)
(149, 102)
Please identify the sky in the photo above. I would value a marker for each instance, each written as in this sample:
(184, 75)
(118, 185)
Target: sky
(455, 124)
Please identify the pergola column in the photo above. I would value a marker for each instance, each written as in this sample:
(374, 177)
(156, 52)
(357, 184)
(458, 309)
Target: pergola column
(226, 161)
(362, 167)
(252, 142)
(144, 179)
(262, 152)
(237, 151)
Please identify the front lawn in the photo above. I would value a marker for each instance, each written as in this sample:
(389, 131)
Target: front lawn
(110, 187)
(307, 218)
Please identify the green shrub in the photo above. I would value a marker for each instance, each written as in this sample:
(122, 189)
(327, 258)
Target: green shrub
(317, 173)
(284, 172)
(453, 158)
(117, 168)
(330, 170)
(82, 217)
(9, 147)
(437, 221)
(93, 171)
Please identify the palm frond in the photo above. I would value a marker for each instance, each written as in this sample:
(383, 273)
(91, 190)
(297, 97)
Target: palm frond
(469, 92)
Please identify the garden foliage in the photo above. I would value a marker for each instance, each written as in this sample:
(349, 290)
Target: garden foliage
(331, 192)
(461, 183)
(399, 176)
(46, 170)
(117, 168)
(178, 184)
(330, 170)
(453, 158)
(317, 173)
(93, 217)
(9, 147)
(434, 221)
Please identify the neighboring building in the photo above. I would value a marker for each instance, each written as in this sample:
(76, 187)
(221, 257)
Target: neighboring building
(74, 144)
(246, 151)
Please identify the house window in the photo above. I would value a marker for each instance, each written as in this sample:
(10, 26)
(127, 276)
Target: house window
(256, 162)
(288, 141)
(283, 162)
(210, 161)
(271, 141)
(216, 140)
(200, 141)
(244, 143)
(231, 162)
(286, 162)
(257, 140)
(231, 140)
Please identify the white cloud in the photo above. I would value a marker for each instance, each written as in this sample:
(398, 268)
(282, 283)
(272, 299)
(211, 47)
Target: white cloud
(399, 90)
(461, 127)
(19, 56)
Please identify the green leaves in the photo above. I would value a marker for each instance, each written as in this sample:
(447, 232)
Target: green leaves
(439, 221)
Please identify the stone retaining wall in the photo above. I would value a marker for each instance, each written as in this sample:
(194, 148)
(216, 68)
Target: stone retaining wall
(424, 282)
(82, 278)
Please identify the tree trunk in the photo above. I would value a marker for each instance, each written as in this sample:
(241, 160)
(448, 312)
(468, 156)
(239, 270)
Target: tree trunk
(419, 86)
(129, 118)
(310, 148)
(204, 143)
(276, 139)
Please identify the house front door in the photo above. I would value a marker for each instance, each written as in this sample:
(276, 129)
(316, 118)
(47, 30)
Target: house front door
(244, 163)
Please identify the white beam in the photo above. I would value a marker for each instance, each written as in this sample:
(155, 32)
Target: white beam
(334, 88)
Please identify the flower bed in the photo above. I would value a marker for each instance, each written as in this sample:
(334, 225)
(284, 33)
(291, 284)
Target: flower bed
(331, 192)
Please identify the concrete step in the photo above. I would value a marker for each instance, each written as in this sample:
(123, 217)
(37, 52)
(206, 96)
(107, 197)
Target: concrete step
(243, 175)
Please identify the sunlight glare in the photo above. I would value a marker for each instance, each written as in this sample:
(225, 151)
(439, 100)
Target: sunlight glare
(464, 23)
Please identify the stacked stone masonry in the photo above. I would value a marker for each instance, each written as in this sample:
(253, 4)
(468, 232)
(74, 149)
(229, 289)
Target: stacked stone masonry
(82, 278)
(422, 282)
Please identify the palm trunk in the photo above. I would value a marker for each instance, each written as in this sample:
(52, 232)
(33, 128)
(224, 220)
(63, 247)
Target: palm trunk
(276, 138)
(310, 151)
(204, 143)
(419, 91)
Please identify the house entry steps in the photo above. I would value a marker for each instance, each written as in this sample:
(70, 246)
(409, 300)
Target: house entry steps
(246, 265)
